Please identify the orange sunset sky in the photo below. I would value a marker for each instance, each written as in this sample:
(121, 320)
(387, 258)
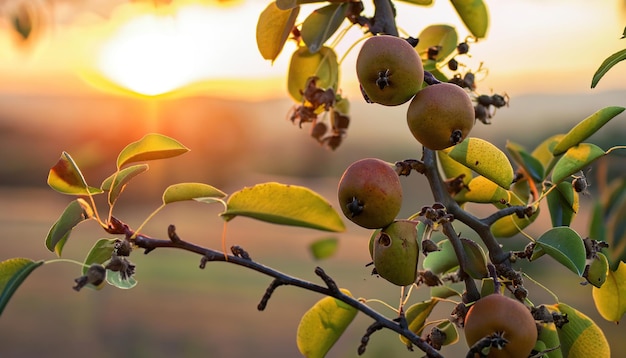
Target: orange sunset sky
(532, 46)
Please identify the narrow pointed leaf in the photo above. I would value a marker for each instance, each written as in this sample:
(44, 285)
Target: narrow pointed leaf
(286, 205)
(563, 203)
(75, 212)
(606, 65)
(476, 260)
(151, 147)
(12, 273)
(305, 64)
(531, 165)
(474, 14)
(586, 128)
(322, 325)
(121, 179)
(321, 24)
(190, 191)
(417, 314)
(565, 246)
(100, 253)
(273, 29)
(324, 248)
(610, 299)
(65, 177)
(485, 159)
(443, 36)
(575, 159)
(543, 153)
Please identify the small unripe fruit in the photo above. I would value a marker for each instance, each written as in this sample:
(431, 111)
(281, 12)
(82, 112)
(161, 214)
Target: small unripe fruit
(496, 313)
(441, 115)
(370, 193)
(389, 70)
(396, 252)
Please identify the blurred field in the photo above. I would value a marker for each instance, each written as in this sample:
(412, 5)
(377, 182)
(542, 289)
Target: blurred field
(177, 309)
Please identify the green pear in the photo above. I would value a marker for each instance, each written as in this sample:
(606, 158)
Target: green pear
(396, 252)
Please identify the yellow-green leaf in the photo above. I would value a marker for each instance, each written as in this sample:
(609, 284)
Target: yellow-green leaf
(273, 29)
(543, 152)
(305, 64)
(419, 2)
(151, 147)
(565, 246)
(65, 177)
(75, 212)
(324, 248)
(606, 65)
(512, 224)
(285, 205)
(482, 190)
(121, 179)
(450, 332)
(190, 191)
(12, 273)
(586, 128)
(485, 159)
(530, 164)
(442, 36)
(580, 337)
(474, 14)
(417, 314)
(610, 299)
(321, 24)
(99, 253)
(322, 325)
(575, 159)
(452, 169)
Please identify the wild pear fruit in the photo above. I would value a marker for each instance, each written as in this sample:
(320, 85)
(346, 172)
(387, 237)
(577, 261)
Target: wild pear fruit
(396, 252)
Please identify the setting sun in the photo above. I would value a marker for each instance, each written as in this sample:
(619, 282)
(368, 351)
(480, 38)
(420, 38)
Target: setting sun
(159, 51)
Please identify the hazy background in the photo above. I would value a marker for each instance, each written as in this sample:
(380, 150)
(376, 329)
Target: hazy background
(234, 120)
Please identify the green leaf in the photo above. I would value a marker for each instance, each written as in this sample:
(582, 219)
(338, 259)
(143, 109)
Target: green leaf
(322, 325)
(417, 314)
(114, 278)
(121, 179)
(476, 260)
(65, 177)
(12, 273)
(530, 164)
(443, 36)
(305, 64)
(474, 14)
(273, 29)
(75, 212)
(285, 205)
(586, 128)
(610, 299)
(151, 147)
(565, 246)
(563, 204)
(575, 159)
(100, 252)
(191, 191)
(581, 336)
(485, 159)
(606, 65)
(324, 248)
(321, 24)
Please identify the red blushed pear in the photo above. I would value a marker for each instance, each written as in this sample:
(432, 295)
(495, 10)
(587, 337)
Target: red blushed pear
(389, 70)
(370, 193)
(440, 116)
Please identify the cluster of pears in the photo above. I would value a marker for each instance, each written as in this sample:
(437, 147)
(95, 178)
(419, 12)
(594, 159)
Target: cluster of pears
(391, 73)
(370, 195)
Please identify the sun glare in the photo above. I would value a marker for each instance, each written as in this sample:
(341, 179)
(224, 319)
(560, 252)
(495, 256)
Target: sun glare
(153, 53)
